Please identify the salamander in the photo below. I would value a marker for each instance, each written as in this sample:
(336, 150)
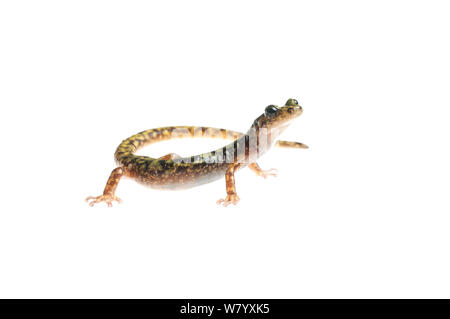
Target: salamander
(172, 171)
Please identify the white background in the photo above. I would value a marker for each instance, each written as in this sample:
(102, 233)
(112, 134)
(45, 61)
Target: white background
(363, 213)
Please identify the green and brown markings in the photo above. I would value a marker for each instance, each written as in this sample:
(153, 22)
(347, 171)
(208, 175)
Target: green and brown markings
(174, 172)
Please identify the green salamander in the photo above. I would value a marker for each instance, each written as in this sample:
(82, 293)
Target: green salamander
(174, 172)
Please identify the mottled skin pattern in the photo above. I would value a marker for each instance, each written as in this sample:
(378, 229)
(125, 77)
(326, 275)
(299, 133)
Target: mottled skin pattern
(174, 172)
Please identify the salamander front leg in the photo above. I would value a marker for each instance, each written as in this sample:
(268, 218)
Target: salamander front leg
(288, 144)
(232, 197)
(110, 188)
(258, 171)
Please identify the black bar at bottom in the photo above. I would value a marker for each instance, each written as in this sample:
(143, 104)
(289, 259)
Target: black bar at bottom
(222, 308)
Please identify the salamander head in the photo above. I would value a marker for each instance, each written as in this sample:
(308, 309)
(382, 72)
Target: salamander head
(279, 118)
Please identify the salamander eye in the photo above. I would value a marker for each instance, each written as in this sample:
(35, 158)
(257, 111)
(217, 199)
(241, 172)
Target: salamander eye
(292, 102)
(271, 110)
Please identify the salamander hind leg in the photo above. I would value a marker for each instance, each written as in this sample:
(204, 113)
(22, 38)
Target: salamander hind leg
(109, 193)
(232, 197)
(258, 171)
(170, 156)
